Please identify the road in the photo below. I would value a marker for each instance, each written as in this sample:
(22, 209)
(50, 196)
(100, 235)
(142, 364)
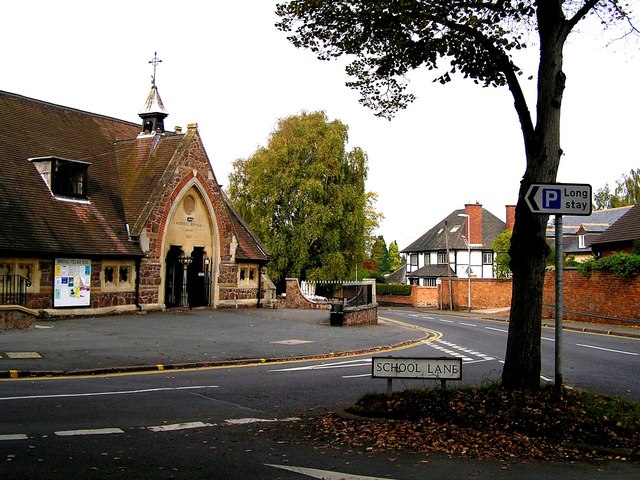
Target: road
(247, 422)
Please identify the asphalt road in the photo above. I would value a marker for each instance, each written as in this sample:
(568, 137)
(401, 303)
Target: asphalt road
(245, 422)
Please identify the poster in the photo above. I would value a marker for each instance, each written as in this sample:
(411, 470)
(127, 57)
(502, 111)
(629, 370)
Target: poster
(72, 282)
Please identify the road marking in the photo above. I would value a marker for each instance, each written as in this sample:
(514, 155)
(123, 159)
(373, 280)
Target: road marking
(607, 349)
(468, 324)
(13, 436)
(546, 379)
(246, 421)
(497, 329)
(362, 362)
(180, 426)
(445, 321)
(549, 339)
(357, 376)
(97, 394)
(89, 431)
(324, 474)
(429, 318)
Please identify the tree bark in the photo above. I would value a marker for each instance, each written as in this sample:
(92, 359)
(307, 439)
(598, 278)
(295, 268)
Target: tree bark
(528, 246)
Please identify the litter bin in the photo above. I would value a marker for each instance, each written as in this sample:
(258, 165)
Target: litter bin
(337, 314)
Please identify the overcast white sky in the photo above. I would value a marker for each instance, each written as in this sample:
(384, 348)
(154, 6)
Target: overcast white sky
(226, 67)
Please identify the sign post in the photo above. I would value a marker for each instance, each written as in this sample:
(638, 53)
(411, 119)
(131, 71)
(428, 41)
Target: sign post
(438, 368)
(559, 199)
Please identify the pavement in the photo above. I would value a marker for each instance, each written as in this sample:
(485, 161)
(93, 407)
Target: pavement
(203, 337)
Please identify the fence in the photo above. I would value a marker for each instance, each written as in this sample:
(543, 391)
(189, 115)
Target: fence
(351, 294)
(13, 290)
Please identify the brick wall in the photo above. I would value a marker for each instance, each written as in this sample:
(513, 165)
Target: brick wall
(295, 298)
(601, 296)
(485, 293)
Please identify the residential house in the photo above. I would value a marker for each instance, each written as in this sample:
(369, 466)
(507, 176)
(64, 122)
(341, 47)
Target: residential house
(622, 236)
(100, 215)
(579, 232)
(459, 246)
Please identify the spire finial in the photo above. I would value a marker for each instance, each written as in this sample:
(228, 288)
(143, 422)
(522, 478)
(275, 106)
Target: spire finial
(155, 61)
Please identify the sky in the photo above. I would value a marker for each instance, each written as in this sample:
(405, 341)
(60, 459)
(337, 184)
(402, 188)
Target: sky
(227, 68)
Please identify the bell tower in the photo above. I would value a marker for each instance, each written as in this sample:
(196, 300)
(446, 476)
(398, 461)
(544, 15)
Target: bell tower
(153, 112)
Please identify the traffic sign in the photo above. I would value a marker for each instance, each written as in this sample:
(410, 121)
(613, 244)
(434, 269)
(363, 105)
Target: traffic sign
(559, 198)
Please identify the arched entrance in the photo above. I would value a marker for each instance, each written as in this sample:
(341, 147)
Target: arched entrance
(190, 255)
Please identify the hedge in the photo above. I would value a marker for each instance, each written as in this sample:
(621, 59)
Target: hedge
(391, 289)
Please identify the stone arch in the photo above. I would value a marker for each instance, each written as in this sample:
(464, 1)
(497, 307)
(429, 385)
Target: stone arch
(190, 249)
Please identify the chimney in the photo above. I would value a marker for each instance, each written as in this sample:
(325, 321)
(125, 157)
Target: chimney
(474, 210)
(511, 217)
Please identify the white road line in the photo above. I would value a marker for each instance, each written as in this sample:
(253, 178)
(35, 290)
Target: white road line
(607, 349)
(357, 376)
(445, 321)
(89, 431)
(324, 474)
(548, 339)
(468, 324)
(13, 436)
(546, 379)
(428, 318)
(97, 394)
(497, 329)
(363, 362)
(246, 421)
(179, 426)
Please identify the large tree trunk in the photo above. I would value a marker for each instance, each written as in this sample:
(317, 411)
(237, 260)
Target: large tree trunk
(528, 246)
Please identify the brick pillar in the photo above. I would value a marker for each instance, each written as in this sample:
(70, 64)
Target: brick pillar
(474, 210)
(511, 217)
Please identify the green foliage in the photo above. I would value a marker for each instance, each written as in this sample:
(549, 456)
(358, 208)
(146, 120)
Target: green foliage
(304, 195)
(380, 255)
(393, 289)
(626, 192)
(501, 245)
(395, 259)
(620, 264)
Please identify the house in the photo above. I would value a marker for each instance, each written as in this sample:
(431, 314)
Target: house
(466, 234)
(622, 236)
(100, 215)
(579, 232)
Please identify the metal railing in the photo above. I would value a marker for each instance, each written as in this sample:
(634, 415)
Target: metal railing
(350, 294)
(13, 290)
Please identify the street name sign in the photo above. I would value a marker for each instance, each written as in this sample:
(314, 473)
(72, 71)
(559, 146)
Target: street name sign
(442, 368)
(559, 198)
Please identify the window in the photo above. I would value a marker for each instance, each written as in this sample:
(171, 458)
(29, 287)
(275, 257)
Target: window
(413, 262)
(582, 241)
(248, 276)
(69, 178)
(427, 258)
(487, 258)
(442, 258)
(118, 276)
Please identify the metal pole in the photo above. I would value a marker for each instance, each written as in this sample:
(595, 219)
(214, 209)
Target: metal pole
(469, 267)
(559, 301)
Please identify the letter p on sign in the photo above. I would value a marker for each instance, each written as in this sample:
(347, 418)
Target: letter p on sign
(551, 198)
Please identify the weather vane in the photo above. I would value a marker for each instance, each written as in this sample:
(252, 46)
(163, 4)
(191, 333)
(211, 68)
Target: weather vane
(155, 61)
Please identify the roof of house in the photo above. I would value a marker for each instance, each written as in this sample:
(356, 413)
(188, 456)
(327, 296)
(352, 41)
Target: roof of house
(432, 271)
(434, 239)
(125, 171)
(599, 219)
(625, 229)
(399, 276)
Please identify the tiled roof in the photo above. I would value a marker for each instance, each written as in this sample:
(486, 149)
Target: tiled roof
(32, 220)
(430, 271)
(399, 276)
(434, 239)
(249, 246)
(626, 229)
(126, 175)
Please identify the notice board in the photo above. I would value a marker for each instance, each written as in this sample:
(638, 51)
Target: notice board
(72, 282)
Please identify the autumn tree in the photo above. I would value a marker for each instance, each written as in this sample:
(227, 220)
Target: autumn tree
(304, 195)
(477, 39)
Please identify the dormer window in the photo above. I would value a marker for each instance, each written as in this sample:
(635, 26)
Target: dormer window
(65, 178)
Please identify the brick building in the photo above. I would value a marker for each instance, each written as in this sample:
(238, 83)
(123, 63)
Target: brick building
(100, 215)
